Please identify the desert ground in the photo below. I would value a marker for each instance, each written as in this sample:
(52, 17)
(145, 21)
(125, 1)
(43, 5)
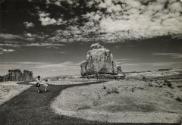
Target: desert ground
(10, 89)
(141, 98)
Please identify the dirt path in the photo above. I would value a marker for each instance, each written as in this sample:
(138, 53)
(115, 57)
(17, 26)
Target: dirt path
(31, 108)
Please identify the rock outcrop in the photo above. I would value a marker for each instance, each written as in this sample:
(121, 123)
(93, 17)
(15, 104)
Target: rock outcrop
(17, 75)
(27, 75)
(99, 60)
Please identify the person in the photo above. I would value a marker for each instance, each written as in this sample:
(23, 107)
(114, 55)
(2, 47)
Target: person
(97, 76)
(45, 84)
(38, 81)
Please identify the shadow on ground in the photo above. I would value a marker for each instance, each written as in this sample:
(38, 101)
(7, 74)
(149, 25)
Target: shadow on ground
(31, 108)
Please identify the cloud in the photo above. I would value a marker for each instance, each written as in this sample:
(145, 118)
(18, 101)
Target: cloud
(46, 20)
(59, 65)
(130, 67)
(8, 50)
(65, 68)
(29, 39)
(172, 55)
(9, 45)
(9, 36)
(30, 63)
(5, 66)
(109, 19)
(141, 20)
(43, 44)
(123, 19)
(175, 7)
(43, 69)
(29, 24)
(4, 50)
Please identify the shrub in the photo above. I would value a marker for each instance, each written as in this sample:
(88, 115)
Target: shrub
(144, 78)
(178, 99)
(168, 83)
(104, 87)
(113, 90)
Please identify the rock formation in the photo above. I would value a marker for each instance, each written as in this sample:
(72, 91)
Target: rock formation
(99, 60)
(1, 78)
(119, 70)
(27, 75)
(17, 75)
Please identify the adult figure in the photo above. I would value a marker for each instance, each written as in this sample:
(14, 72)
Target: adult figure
(38, 82)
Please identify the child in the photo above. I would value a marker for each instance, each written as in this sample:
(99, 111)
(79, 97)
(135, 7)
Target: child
(45, 84)
(38, 80)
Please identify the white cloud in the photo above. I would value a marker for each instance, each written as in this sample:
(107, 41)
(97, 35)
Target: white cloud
(9, 36)
(172, 55)
(127, 19)
(59, 65)
(65, 68)
(175, 7)
(4, 50)
(30, 63)
(143, 20)
(43, 44)
(28, 24)
(43, 69)
(8, 50)
(9, 45)
(45, 19)
(133, 19)
(123, 19)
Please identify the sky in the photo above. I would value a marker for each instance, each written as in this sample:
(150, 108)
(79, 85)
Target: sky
(52, 60)
(123, 19)
(136, 18)
(51, 37)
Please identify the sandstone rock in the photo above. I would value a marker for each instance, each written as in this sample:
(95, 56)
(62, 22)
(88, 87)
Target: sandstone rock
(27, 75)
(83, 68)
(99, 60)
(1, 78)
(17, 75)
(119, 70)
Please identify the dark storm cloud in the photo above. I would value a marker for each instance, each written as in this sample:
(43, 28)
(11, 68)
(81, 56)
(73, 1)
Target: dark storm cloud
(126, 18)
(106, 19)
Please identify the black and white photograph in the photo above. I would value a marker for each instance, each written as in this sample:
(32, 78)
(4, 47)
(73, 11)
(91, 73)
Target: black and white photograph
(90, 62)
